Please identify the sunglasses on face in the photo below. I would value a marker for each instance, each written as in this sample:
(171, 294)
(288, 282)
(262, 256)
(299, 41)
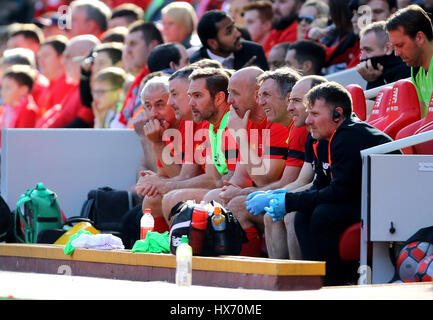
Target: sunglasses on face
(308, 19)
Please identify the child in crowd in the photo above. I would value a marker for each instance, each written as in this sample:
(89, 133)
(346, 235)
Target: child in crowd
(19, 109)
(107, 88)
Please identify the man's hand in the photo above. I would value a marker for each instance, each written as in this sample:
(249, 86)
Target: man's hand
(229, 191)
(139, 121)
(277, 206)
(235, 122)
(368, 72)
(257, 204)
(153, 130)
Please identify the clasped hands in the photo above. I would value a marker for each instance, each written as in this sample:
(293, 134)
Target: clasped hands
(150, 184)
(272, 203)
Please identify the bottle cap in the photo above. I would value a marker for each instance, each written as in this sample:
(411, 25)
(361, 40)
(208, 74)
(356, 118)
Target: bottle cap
(217, 210)
(147, 210)
(184, 239)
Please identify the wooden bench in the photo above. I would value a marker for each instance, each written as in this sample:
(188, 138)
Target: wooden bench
(227, 271)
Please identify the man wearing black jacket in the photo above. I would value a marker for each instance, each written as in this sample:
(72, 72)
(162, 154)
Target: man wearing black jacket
(221, 41)
(325, 210)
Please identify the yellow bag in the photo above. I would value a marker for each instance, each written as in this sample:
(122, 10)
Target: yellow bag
(64, 239)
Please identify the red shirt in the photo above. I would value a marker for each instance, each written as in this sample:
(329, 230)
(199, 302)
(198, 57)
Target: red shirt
(56, 92)
(41, 84)
(296, 146)
(275, 141)
(129, 104)
(23, 115)
(290, 34)
(63, 113)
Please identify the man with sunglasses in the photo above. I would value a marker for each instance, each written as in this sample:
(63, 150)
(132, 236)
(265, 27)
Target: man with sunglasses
(284, 24)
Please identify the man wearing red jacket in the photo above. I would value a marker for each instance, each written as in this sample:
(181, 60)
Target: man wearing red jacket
(141, 39)
(284, 24)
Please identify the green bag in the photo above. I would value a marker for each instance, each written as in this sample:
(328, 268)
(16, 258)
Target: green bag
(41, 212)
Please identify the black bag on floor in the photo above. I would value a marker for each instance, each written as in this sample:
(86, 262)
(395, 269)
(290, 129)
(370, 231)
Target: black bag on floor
(105, 207)
(181, 225)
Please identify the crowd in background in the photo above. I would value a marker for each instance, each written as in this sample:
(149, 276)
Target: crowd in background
(66, 44)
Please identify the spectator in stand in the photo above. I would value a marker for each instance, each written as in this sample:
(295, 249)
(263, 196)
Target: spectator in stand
(235, 9)
(107, 88)
(411, 33)
(21, 11)
(179, 24)
(221, 41)
(69, 108)
(341, 43)
(168, 57)
(88, 17)
(141, 39)
(379, 65)
(116, 34)
(306, 56)
(380, 9)
(313, 13)
(284, 24)
(49, 24)
(26, 57)
(125, 14)
(25, 36)
(102, 56)
(258, 20)
(50, 61)
(277, 56)
(19, 110)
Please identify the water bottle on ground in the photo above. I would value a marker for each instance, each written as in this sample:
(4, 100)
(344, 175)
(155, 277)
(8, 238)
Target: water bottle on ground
(219, 225)
(146, 223)
(184, 263)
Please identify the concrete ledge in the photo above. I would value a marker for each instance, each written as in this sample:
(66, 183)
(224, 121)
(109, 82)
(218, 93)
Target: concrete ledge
(227, 271)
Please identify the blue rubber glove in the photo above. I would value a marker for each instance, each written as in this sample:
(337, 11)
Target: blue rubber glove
(277, 206)
(253, 194)
(257, 203)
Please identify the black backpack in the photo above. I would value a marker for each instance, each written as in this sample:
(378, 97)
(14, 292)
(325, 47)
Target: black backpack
(6, 222)
(105, 207)
(234, 234)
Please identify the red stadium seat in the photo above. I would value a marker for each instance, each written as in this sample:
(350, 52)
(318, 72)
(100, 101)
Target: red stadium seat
(350, 244)
(426, 147)
(403, 109)
(380, 105)
(420, 125)
(358, 99)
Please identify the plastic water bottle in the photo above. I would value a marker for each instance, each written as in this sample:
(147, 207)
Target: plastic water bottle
(184, 263)
(146, 223)
(199, 220)
(219, 225)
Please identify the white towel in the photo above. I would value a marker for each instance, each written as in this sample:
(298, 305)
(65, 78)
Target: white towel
(100, 241)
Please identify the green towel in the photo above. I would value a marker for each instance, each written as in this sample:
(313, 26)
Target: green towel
(154, 242)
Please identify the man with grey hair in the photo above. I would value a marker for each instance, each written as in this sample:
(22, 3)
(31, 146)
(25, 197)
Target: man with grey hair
(88, 17)
(378, 64)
